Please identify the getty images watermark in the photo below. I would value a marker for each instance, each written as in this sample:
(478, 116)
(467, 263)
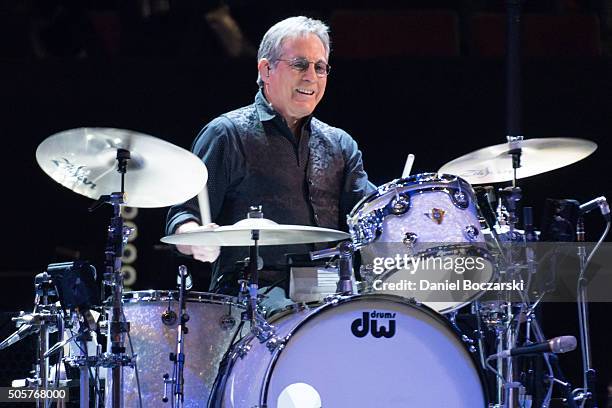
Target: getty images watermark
(404, 272)
(443, 272)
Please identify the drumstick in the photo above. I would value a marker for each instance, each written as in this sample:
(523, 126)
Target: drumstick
(204, 204)
(408, 165)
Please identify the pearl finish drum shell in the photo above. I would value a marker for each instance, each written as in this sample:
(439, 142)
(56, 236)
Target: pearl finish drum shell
(205, 345)
(428, 193)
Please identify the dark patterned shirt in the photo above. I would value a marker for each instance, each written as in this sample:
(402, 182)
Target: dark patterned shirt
(253, 158)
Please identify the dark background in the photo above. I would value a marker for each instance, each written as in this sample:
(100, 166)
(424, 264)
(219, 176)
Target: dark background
(436, 107)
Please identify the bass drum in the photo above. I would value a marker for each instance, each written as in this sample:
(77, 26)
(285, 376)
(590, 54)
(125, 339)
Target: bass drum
(153, 315)
(356, 351)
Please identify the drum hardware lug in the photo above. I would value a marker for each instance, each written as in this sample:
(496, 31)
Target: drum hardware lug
(413, 301)
(399, 205)
(472, 349)
(368, 229)
(466, 339)
(332, 299)
(263, 330)
(459, 199)
(169, 317)
(275, 342)
(243, 350)
(410, 238)
(471, 232)
(227, 322)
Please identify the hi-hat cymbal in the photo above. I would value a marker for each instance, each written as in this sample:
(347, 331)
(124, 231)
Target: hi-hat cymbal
(158, 174)
(493, 164)
(270, 233)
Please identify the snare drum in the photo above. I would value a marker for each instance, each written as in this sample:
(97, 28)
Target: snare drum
(423, 229)
(357, 351)
(153, 317)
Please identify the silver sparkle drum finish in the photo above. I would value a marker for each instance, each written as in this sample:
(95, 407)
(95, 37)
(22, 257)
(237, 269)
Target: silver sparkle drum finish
(213, 321)
(429, 216)
(358, 351)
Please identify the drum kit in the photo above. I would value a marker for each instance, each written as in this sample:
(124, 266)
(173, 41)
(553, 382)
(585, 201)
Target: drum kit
(379, 342)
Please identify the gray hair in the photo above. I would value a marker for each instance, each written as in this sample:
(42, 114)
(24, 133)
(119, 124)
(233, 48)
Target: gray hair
(292, 27)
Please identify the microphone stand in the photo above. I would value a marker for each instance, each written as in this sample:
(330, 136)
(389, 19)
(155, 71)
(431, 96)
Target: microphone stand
(589, 374)
(178, 379)
(344, 251)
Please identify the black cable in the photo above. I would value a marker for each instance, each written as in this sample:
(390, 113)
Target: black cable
(274, 285)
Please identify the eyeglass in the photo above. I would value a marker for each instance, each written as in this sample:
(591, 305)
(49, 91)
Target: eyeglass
(302, 64)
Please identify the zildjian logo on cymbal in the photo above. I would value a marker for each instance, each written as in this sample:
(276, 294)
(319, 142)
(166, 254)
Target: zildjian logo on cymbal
(77, 172)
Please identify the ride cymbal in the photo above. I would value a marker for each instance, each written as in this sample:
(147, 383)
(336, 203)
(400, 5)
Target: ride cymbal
(493, 164)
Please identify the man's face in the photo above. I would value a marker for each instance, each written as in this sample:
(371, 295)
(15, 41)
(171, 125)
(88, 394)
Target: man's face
(295, 94)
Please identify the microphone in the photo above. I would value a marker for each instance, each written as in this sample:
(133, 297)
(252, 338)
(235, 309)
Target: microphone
(561, 344)
(23, 332)
(485, 196)
(600, 202)
(188, 280)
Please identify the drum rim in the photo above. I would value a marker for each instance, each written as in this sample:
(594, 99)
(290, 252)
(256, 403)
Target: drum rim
(416, 179)
(163, 295)
(265, 382)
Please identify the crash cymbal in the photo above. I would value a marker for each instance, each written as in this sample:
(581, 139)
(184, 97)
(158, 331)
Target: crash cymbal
(158, 174)
(270, 233)
(493, 164)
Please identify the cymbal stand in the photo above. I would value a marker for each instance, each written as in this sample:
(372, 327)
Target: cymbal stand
(506, 333)
(507, 323)
(507, 327)
(259, 326)
(252, 269)
(118, 235)
(555, 374)
(45, 318)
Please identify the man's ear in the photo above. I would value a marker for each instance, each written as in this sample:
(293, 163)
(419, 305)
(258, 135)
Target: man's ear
(263, 66)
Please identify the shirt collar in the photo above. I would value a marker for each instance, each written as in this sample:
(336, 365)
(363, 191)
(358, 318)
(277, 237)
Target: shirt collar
(267, 112)
(264, 108)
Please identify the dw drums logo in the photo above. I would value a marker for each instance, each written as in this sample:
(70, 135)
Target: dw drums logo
(369, 323)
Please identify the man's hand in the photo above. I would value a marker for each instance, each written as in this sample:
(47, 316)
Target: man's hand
(200, 252)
